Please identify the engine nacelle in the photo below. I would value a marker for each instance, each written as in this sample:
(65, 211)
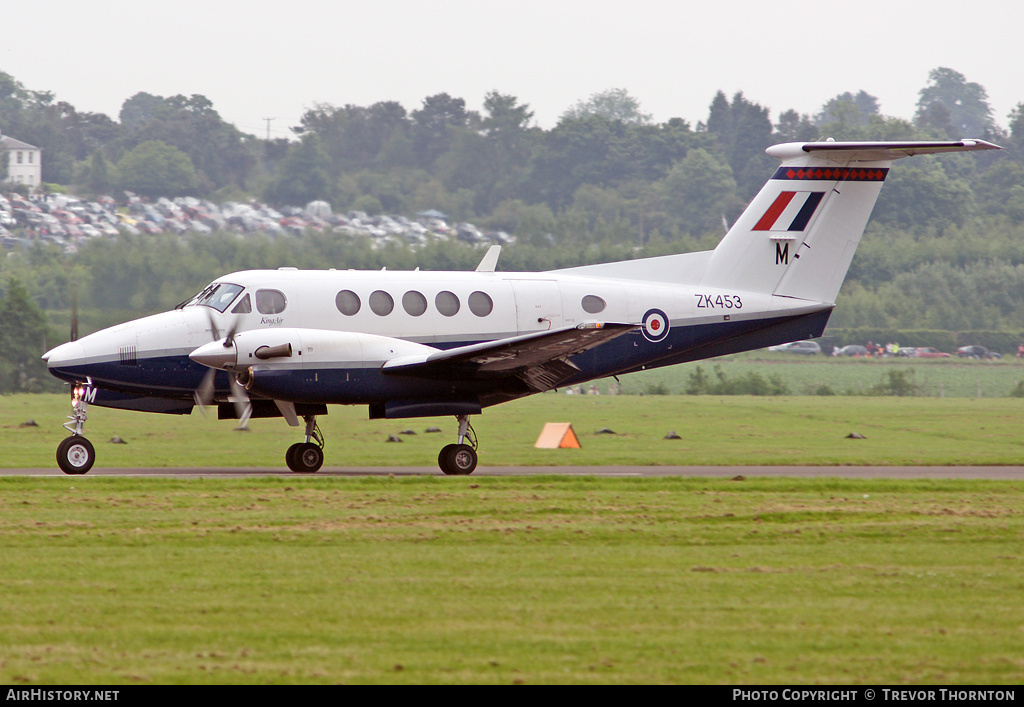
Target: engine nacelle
(303, 348)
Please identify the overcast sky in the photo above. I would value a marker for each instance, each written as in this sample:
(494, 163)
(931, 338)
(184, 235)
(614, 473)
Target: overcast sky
(257, 59)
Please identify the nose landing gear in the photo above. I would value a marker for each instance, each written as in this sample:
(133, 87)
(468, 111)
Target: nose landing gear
(75, 454)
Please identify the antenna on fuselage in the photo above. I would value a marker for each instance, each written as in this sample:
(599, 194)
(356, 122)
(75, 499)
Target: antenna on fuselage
(490, 260)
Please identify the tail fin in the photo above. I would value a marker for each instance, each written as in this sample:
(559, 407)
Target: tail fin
(798, 236)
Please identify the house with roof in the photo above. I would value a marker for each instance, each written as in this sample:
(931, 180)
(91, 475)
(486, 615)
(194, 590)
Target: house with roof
(24, 162)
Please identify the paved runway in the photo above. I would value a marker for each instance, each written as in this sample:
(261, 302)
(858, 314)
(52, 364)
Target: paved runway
(843, 472)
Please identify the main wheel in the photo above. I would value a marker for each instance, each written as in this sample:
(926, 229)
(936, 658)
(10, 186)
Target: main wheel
(457, 460)
(304, 458)
(289, 455)
(75, 455)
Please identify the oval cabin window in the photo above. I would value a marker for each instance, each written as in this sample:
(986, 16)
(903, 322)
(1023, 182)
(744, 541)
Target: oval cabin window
(447, 303)
(381, 303)
(347, 302)
(414, 303)
(593, 304)
(480, 304)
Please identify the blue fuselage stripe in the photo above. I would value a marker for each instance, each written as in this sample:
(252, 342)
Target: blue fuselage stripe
(179, 376)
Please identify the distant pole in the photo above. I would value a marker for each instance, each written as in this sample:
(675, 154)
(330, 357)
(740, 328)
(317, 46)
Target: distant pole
(268, 127)
(74, 311)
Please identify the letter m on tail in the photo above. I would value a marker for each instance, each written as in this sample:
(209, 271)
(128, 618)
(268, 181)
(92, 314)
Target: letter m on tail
(781, 253)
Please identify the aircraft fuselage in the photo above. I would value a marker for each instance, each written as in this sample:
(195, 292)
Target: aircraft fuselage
(346, 324)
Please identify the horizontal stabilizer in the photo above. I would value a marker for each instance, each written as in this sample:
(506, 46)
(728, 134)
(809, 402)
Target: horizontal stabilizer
(885, 150)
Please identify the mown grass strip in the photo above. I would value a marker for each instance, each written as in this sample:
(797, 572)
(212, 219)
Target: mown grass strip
(504, 580)
(731, 430)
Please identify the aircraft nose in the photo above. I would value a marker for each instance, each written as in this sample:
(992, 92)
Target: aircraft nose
(72, 351)
(215, 355)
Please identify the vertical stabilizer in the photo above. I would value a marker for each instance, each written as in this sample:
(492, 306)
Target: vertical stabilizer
(798, 236)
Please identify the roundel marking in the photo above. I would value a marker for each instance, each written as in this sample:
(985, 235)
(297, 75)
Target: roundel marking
(656, 325)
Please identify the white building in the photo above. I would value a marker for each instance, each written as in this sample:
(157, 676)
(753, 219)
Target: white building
(24, 163)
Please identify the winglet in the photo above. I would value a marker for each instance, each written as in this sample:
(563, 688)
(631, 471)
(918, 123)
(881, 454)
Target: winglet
(490, 259)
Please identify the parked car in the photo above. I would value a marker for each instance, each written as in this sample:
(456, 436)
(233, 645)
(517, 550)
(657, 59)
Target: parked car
(929, 352)
(853, 350)
(976, 352)
(807, 348)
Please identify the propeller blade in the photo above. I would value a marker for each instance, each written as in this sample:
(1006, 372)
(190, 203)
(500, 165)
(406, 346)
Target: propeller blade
(230, 339)
(204, 393)
(213, 325)
(243, 408)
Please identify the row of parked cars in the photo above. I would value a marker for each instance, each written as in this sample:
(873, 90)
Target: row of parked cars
(810, 348)
(67, 221)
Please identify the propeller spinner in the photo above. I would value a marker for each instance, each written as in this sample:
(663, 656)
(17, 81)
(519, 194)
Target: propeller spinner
(220, 354)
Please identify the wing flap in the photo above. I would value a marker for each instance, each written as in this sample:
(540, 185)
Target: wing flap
(540, 360)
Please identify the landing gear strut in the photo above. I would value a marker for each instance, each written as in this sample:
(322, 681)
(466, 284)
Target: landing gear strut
(460, 459)
(76, 455)
(307, 457)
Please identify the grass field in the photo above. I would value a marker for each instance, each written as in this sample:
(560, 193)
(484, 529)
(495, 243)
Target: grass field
(728, 430)
(490, 580)
(803, 375)
(510, 580)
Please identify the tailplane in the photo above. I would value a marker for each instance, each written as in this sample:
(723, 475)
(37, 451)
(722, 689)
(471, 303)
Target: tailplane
(798, 236)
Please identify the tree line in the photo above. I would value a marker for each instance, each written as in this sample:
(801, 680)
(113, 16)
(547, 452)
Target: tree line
(620, 175)
(944, 250)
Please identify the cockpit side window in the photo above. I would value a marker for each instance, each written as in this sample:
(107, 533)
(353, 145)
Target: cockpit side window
(244, 305)
(270, 301)
(219, 296)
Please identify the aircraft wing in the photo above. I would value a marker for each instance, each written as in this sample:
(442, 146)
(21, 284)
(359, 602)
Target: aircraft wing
(540, 360)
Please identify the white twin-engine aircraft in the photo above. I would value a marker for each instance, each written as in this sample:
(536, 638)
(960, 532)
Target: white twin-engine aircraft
(288, 343)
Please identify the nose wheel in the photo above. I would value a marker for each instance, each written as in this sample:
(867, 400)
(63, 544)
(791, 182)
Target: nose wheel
(75, 455)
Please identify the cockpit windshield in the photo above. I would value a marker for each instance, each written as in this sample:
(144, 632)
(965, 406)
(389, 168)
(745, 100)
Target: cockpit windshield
(218, 295)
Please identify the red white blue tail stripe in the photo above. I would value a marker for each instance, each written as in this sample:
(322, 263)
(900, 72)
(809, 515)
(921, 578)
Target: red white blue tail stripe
(791, 211)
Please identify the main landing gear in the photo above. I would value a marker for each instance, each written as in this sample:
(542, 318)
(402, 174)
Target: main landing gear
(460, 459)
(454, 459)
(307, 457)
(76, 455)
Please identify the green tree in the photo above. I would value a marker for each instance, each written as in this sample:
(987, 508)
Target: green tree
(99, 178)
(613, 104)
(357, 138)
(921, 194)
(220, 153)
(743, 132)
(23, 339)
(700, 191)
(589, 150)
(155, 169)
(951, 104)
(303, 176)
(138, 110)
(848, 109)
(794, 127)
(435, 125)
